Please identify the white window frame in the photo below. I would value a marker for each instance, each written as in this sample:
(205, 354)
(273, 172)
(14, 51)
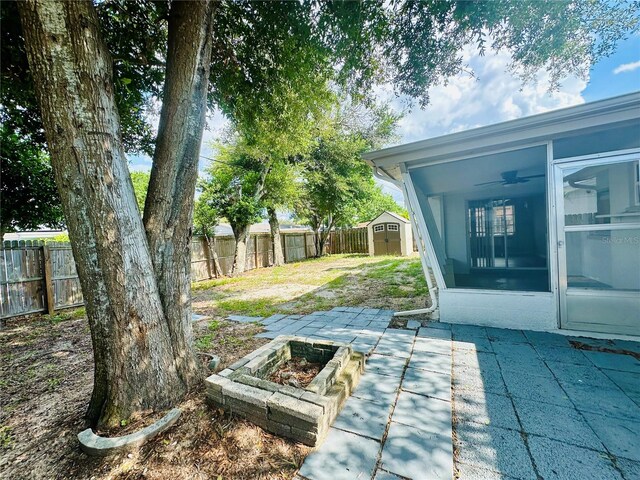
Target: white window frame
(378, 228)
(393, 227)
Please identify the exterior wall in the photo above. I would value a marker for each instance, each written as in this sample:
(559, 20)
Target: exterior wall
(406, 234)
(517, 310)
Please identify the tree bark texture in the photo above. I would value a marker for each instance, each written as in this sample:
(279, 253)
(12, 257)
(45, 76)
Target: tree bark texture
(136, 364)
(278, 254)
(168, 212)
(241, 235)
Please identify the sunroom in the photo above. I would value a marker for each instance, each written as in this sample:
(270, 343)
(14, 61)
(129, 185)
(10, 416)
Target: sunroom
(532, 223)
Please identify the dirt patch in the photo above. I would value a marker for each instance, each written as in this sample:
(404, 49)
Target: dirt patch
(46, 370)
(297, 372)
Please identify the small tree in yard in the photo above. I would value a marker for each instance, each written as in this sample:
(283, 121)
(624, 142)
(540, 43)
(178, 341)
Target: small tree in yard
(234, 189)
(205, 221)
(91, 68)
(282, 191)
(337, 184)
(376, 202)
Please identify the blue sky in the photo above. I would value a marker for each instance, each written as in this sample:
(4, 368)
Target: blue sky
(495, 95)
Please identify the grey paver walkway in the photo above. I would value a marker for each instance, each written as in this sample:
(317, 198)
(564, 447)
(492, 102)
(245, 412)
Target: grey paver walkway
(523, 405)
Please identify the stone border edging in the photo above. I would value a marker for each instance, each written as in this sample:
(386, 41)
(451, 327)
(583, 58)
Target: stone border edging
(96, 445)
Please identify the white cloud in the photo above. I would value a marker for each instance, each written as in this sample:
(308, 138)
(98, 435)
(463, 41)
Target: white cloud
(495, 95)
(626, 67)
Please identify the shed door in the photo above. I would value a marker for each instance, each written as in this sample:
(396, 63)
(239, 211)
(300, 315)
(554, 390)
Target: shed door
(393, 239)
(598, 205)
(386, 239)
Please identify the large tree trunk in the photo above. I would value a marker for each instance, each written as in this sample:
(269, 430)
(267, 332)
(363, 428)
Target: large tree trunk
(278, 255)
(168, 212)
(241, 234)
(136, 363)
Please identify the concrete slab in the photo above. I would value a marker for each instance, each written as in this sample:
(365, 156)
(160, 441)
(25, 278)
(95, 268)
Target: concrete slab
(506, 335)
(603, 401)
(377, 388)
(273, 319)
(342, 456)
(583, 374)
(515, 351)
(548, 339)
(534, 387)
(620, 437)
(425, 413)
(431, 384)
(364, 417)
(413, 324)
(613, 361)
(557, 460)
(464, 332)
(440, 325)
(386, 347)
(440, 333)
(431, 361)
(486, 409)
(531, 365)
(629, 468)
(558, 423)
(399, 334)
(244, 318)
(494, 449)
(418, 455)
(196, 317)
(562, 355)
(628, 382)
(382, 475)
(473, 345)
(484, 379)
(433, 345)
(268, 334)
(385, 365)
(479, 360)
(471, 472)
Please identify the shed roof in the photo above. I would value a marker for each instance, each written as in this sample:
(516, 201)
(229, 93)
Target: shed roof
(394, 215)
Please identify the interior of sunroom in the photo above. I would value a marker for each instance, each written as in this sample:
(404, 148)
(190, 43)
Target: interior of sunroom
(487, 218)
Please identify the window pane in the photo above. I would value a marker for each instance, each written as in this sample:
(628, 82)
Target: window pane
(602, 194)
(604, 259)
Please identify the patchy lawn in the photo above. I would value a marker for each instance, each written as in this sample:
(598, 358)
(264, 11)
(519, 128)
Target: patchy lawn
(46, 376)
(316, 284)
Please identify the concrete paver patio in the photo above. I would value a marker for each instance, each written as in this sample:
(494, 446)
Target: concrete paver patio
(509, 403)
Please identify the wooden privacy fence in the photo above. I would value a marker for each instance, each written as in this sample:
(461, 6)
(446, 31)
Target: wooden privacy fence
(38, 277)
(348, 240)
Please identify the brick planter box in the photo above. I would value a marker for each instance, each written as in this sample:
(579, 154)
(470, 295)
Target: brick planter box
(303, 414)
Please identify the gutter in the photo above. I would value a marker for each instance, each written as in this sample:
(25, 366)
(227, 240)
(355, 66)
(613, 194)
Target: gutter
(382, 175)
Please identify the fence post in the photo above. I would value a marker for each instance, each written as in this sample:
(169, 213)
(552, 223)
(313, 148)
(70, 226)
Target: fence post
(306, 250)
(48, 280)
(283, 240)
(255, 248)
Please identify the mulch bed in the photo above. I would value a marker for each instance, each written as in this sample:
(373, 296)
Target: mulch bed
(297, 372)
